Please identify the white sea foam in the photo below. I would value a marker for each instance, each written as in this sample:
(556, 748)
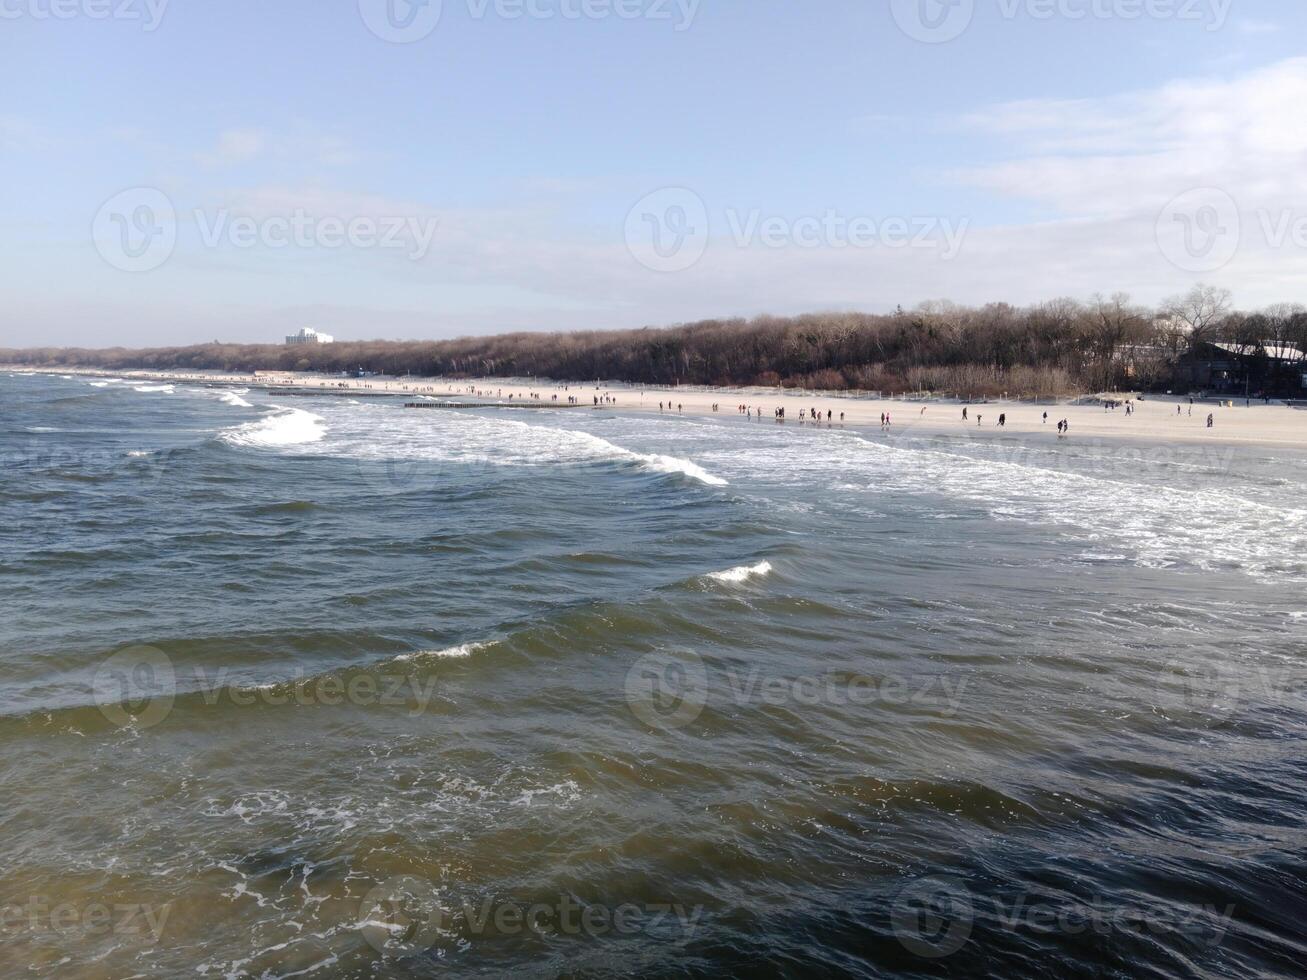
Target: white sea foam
(234, 398)
(544, 444)
(165, 389)
(283, 427)
(100, 384)
(741, 573)
(460, 652)
(671, 464)
(460, 438)
(1159, 526)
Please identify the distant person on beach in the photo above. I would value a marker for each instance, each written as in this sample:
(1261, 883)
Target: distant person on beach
(1211, 420)
(964, 413)
(1046, 418)
(1002, 420)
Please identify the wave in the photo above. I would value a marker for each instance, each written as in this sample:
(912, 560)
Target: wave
(234, 398)
(100, 384)
(672, 464)
(460, 652)
(1162, 526)
(284, 427)
(165, 389)
(741, 573)
(457, 437)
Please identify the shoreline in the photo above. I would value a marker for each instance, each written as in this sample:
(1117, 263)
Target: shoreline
(1154, 419)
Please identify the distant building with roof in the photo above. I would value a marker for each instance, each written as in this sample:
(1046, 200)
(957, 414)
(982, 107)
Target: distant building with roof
(308, 335)
(1268, 368)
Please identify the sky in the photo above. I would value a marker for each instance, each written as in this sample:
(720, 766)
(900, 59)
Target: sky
(178, 171)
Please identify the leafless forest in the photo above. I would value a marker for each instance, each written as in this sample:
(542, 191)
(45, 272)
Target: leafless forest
(1055, 348)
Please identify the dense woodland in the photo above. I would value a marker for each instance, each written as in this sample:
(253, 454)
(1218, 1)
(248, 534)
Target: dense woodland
(1055, 348)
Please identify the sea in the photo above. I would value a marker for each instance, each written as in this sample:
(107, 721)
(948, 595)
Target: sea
(323, 686)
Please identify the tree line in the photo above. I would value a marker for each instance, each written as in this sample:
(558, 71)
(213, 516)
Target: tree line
(1056, 348)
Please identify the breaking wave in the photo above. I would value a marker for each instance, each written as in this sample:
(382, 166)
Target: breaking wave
(284, 427)
(741, 573)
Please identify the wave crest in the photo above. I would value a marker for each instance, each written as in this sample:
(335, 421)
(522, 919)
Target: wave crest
(741, 573)
(284, 427)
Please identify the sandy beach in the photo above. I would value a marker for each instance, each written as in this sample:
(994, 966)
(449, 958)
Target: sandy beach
(1156, 419)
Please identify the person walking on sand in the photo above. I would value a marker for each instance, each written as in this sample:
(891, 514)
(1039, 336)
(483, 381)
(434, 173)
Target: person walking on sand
(1046, 418)
(1002, 420)
(1211, 420)
(964, 413)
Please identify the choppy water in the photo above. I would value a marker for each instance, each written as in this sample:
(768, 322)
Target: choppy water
(320, 686)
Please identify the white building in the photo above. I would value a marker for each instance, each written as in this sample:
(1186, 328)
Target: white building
(308, 335)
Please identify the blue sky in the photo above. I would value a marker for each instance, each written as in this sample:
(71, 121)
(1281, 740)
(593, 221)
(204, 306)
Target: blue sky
(800, 156)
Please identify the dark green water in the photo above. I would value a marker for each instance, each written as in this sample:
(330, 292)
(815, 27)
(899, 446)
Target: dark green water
(336, 689)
